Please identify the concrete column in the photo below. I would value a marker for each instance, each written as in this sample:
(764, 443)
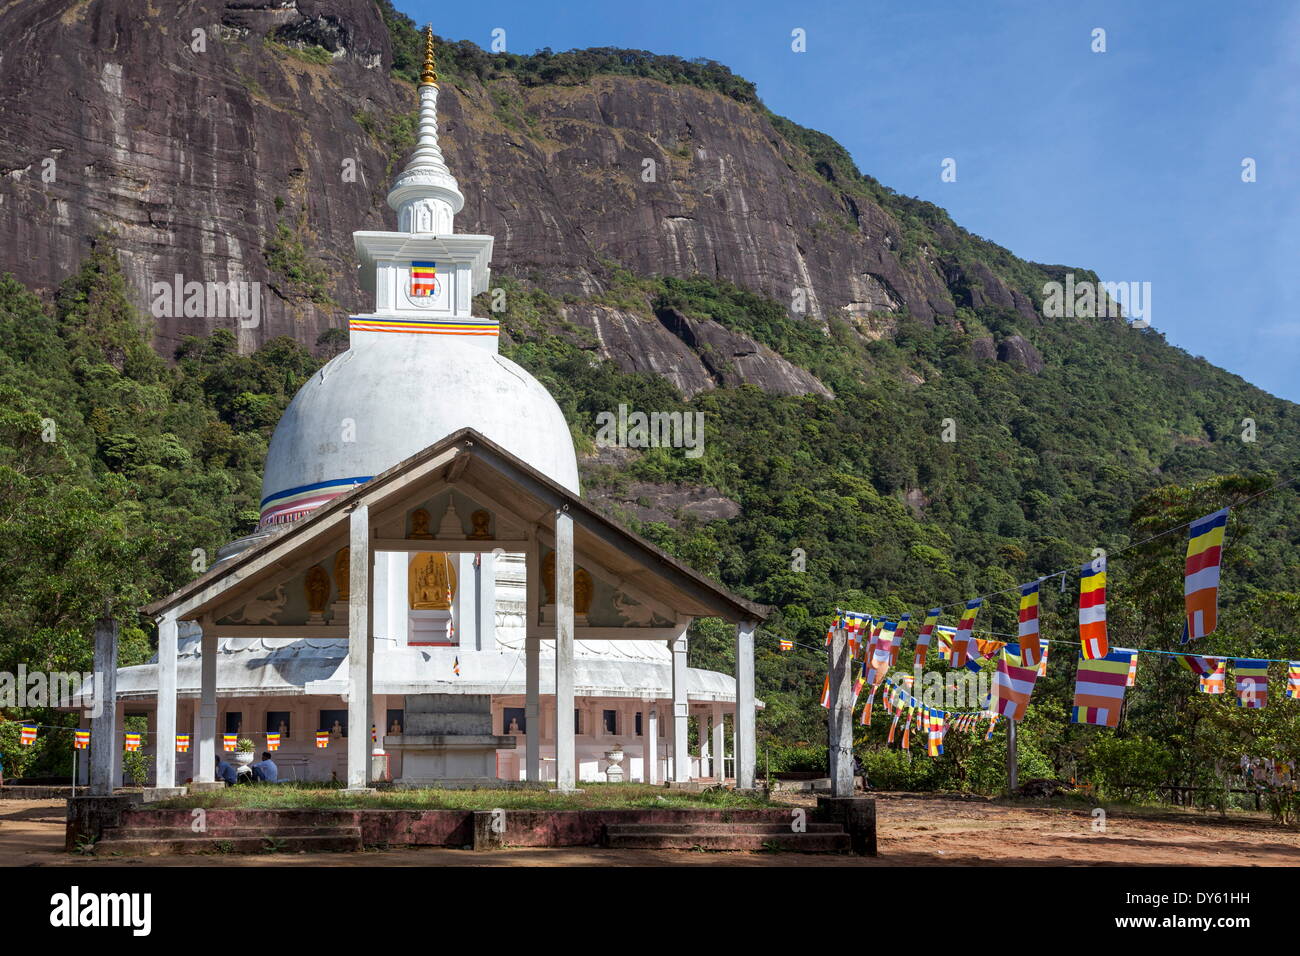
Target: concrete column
(394, 595)
(702, 731)
(119, 749)
(204, 746)
(165, 740)
(487, 602)
(360, 649)
(681, 711)
(565, 751)
(104, 729)
(719, 749)
(532, 708)
(465, 603)
(746, 735)
(650, 725)
(839, 737)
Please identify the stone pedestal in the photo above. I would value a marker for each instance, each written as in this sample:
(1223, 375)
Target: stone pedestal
(614, 772)
(448, 742)
(430, 627)
(857, 815)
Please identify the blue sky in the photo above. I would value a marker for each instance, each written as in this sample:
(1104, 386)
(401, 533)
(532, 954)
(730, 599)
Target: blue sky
(1127, 162)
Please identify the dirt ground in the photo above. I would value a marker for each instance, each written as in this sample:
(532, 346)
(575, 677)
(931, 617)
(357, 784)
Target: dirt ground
(915, 830)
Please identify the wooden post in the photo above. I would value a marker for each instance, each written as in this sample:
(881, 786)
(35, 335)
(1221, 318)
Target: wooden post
(840, 716)
(103, 729)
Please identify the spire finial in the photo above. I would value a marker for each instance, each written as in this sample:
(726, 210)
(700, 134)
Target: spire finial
(429, 75)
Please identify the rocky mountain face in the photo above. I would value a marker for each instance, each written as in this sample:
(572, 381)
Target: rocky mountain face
(247, 140)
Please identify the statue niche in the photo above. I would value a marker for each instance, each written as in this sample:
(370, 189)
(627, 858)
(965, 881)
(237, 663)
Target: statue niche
(317, 588)
(431, 581)
(583, 586)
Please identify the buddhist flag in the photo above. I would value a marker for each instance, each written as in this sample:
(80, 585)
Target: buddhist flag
(1215, 679)
(907, 730)
(424, 278)
(993, 722)
(229, 742)
(455, 666)
(946, 636)
(963, 647)
(1099, 689)
(1201, 580)
(859, 682)
(923, 635)
(1293, 679)
(322, 739)
(1252, 683)
(826, 691)
(81, 739)
(1200, 666)
(934, 736)
(787, 645)
(27, 736)
(1132, 668)
(1092, 610)
(1042, 664)
(866, 709)
(272, 741)
(1014, 683)
(182, 743)
(897, 643)
(132, 742)
(1029, 652)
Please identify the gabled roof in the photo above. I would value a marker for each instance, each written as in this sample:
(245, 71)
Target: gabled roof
(469, 459)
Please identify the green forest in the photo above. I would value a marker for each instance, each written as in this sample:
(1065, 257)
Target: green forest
(122, 471)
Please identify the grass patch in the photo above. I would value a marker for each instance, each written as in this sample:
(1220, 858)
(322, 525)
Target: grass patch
(595, 796)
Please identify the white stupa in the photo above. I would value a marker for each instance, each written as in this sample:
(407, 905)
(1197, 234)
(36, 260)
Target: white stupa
(419, 368)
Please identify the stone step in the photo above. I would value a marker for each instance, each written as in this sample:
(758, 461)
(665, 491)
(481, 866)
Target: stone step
(777, 827)
(820, 842)
(219, 832)
(342, 839)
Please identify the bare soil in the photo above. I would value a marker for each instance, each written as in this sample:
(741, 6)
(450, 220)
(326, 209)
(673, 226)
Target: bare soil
(915, 830)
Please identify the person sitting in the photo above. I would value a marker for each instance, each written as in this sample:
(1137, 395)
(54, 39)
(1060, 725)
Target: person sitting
(265, 769)
(226, 772)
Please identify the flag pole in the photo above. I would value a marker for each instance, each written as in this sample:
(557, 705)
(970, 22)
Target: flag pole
(1012, 768)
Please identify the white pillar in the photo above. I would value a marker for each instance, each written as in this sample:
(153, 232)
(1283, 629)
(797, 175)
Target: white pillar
(465, 603)
(746, 737)
(360, 649)
(165, 739)
(719, 749)
(650, 726)
(205, 743)
(565, 751)
(702, 731)
(532, 708)
(487, 602)
(394, 595)
(681, 711)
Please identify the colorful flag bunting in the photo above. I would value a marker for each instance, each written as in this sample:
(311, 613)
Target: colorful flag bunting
(935, 733)
(322, 738)
(964, 647)
(132, 742)
(1029, 653)
(1014, 684)
(1293, 679)
(81, 739)
(1252, 683)
(1200, 666)
(424, 278)
(866, 709)
(826, 691)
(272, 741)
(787, 645)
(182, 743)
(27, 735)
(1099, 689)
(1201, 577)
(229, 742)
(1215, 679)
(1092, 609)
(455, 666)
(923, 635)
(1132, 667)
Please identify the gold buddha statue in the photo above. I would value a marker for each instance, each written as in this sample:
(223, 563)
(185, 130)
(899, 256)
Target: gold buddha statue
(431, 581)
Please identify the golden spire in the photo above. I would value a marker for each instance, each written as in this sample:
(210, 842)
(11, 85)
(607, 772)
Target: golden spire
(429, 75)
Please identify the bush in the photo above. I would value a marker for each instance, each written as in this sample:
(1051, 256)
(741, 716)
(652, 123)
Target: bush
(1127, 767)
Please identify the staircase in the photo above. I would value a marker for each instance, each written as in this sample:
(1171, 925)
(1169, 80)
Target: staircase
(751, 837)
(170, 841)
